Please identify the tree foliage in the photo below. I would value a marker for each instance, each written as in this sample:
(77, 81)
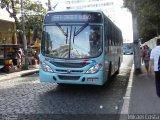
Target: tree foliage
(10, 6)
(33, 12)
(34, 16)
(148, 14)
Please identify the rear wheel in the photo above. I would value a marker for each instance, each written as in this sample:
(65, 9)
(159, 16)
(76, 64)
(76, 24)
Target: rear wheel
(109, 72)
(117, 72)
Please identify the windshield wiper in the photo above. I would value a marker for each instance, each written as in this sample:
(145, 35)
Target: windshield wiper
(79, 30)
(64, 33)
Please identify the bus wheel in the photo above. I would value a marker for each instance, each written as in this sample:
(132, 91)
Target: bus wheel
(109, 73)
(117, 72)
(61, 84)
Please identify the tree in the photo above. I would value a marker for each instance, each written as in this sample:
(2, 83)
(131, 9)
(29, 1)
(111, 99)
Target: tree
(137, 60)
(148, 16)
(7, 4)
(33, 13)
(13, 8)
(33, 18)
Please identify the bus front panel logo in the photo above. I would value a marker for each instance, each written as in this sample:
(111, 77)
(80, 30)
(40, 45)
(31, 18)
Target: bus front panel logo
(68, 71)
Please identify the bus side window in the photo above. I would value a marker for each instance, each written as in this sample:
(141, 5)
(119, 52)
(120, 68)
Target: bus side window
(112, 43)
(110, 35)
(107, 35)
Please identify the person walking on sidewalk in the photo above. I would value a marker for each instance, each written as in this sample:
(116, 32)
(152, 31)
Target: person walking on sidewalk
(146, 57)
(155, 59)
(141, 54)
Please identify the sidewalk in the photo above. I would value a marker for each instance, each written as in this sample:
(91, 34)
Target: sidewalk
(31, 70)
(141, 97)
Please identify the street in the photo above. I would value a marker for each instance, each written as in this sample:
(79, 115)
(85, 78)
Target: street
(27, 96)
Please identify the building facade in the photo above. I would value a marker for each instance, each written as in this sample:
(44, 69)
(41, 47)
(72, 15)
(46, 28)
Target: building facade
(107, 6)
(7, 29)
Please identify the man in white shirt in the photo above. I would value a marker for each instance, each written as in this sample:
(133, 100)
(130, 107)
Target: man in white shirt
(155, 59)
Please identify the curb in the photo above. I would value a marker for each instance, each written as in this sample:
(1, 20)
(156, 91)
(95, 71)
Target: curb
(18, 74)
(125, 108)
(29, 73)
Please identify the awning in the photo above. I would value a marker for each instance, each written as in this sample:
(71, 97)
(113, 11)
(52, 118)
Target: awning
(9, 45)
(36, 44)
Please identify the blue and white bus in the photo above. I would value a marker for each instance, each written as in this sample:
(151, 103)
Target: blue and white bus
(127, 48)
(79, 47)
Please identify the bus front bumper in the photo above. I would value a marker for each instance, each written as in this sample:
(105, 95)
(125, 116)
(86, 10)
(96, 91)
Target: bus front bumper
(83, 78)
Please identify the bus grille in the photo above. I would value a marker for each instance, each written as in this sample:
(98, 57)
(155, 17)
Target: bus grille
(63, 77)
(70, 65)
(72, 71)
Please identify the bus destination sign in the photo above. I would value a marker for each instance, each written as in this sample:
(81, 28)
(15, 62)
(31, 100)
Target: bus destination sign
(71, 17)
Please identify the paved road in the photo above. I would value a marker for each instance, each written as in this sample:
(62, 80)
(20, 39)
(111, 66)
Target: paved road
(28, 96)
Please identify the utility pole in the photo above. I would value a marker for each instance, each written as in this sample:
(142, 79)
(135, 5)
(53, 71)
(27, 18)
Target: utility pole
(136, 45)
(49, 5)
(24, 37)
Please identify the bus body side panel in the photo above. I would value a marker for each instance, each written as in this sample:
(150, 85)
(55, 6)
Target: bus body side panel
(113, 48)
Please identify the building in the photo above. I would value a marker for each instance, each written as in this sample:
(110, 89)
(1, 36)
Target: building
(7, 29)
(8, 38)
(107, 6)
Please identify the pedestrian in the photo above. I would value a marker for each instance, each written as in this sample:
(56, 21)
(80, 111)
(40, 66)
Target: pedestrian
(36, 55)
(141, 54)
(146, 57)
(22, 55)
(19, 60)
(155, 59)
(14, 57)
(30, 57)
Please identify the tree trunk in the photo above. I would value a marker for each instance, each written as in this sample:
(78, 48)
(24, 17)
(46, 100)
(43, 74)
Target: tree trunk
(137, 57)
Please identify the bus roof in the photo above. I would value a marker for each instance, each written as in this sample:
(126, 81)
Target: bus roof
(76, 11)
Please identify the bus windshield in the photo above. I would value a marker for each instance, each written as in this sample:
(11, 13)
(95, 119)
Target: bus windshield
(72, 41)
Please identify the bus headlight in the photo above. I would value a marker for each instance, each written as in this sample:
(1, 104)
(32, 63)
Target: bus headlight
(94, 69)
(46, 67)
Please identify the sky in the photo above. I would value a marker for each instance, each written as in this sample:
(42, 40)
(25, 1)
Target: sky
(5, 16)
(124, 21)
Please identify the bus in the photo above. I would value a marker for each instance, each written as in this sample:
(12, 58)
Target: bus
(127, 48)
(79, 47)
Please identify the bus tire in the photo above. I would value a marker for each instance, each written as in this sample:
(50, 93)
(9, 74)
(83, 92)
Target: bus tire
(117, 72)
(61, 84)
(109, 72)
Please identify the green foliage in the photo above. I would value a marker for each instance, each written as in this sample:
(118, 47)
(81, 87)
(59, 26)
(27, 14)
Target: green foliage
(33, 17)
(148, 15)
(33, 12)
